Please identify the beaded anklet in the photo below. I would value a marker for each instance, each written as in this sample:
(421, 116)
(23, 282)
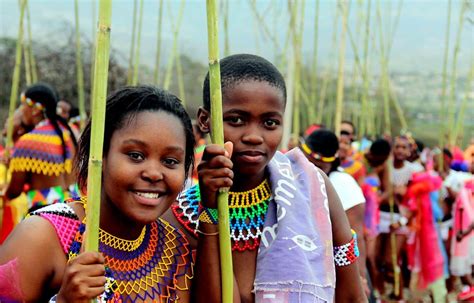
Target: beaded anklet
(348, 253)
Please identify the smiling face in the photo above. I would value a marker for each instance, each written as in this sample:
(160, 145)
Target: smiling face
(144, 169)
(253, 121)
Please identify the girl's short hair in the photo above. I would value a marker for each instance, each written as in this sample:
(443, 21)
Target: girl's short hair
(121, 108)
(244, 67)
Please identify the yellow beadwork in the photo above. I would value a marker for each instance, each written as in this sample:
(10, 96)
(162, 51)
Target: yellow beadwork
(154, 277)
(250, 197)
(121, 244)
(37, 166)
(204, 218)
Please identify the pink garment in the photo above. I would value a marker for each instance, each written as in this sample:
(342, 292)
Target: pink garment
(10, 286)
(424, 252)
(372, 214)
(461, 251)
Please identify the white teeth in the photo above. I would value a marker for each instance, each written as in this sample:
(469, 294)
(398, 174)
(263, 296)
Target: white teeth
(148, 195)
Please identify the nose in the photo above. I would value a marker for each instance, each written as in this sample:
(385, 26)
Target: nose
(152, 172)
(252, 136)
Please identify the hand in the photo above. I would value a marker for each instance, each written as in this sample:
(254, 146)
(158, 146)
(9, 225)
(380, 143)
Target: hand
(215, 172)
(365, 286)
(83, 279)
(395, 226)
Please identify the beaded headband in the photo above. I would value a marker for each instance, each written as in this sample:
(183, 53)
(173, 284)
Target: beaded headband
(31, 103)
(316, 156)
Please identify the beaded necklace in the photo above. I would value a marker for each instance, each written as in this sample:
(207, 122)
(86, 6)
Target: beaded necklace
(141, 270)
(247, 211)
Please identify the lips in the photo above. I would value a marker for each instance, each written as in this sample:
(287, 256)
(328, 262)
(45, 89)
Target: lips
(251, 156)
(147, 198)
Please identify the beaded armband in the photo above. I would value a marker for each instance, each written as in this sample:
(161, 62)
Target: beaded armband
(209, 215)
(348, 253)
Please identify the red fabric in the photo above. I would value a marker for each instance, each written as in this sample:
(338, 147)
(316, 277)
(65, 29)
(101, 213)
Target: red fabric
(7, 224)
(424, 251)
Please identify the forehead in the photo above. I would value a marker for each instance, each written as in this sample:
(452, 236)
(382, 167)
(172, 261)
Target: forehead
(402, 141)
(153, 127)
(347, 127)
(254, 96)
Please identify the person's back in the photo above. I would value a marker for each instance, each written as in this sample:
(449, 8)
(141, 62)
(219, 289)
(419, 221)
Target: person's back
(42, 158)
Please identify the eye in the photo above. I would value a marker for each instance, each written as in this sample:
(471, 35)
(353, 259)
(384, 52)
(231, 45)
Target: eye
(271, 123)
(136, 156)
(171, 162)
(235, 120)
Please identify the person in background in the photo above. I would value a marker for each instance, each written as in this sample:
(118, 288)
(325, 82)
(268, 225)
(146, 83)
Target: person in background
(42, 158)
(321, 148)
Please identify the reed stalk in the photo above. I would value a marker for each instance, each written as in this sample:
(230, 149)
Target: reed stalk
(340, 74)
(217, 136)
(314, 66)
(137, 50)
(179, 71)
(442, 134)
(452, 97)
(365, 117)
(34, 71)
(79, 70)
(462, 110)
(132, 45)
(174, 50)
(13, 95)
(94, 28)
(225, 11)
(26, 58)
(158, 44)
(322, 94)
(94, 178)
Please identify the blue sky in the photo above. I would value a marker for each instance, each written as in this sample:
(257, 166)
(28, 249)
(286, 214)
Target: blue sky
(418, 43)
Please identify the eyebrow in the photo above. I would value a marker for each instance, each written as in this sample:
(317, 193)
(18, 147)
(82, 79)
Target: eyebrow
(143, 144)
(246, 113)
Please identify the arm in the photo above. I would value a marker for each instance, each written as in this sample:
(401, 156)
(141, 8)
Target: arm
(384, 182)
(15, 187)
(34, 245)
(215, 171)
(348, 286)
(356, 220)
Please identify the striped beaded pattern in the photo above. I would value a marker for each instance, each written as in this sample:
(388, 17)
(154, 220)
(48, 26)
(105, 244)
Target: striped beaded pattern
(40, 151)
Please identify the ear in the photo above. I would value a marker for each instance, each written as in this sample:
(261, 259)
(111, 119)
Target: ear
(204, 120)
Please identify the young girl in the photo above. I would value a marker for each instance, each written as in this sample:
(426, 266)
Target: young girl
(42, 158)
(284, 214)
(148, 152)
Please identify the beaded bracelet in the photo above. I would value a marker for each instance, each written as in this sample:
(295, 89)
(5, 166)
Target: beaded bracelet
(348, 253)
(209, 215)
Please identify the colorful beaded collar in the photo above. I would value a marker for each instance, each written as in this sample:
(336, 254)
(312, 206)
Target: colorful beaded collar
(247, 212)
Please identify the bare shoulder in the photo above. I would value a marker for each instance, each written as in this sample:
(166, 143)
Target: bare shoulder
(36, 248)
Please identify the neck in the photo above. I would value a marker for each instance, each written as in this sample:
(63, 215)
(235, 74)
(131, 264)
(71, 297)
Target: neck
(246, 182)
(113, 221)
(398, 163)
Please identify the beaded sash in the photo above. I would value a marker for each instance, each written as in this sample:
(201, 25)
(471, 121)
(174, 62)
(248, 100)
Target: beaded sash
(247, 212)
(148, 269)
(40, 151)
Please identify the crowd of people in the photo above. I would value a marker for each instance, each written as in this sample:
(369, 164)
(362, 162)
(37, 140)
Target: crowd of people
(330, 218)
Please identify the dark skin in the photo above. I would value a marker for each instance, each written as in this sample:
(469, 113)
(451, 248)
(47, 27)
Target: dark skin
(253, 126)
(138, 162)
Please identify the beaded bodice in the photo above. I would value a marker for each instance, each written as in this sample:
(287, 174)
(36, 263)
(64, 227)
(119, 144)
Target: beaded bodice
(149, 269)
(40, 151)
(247, 211)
